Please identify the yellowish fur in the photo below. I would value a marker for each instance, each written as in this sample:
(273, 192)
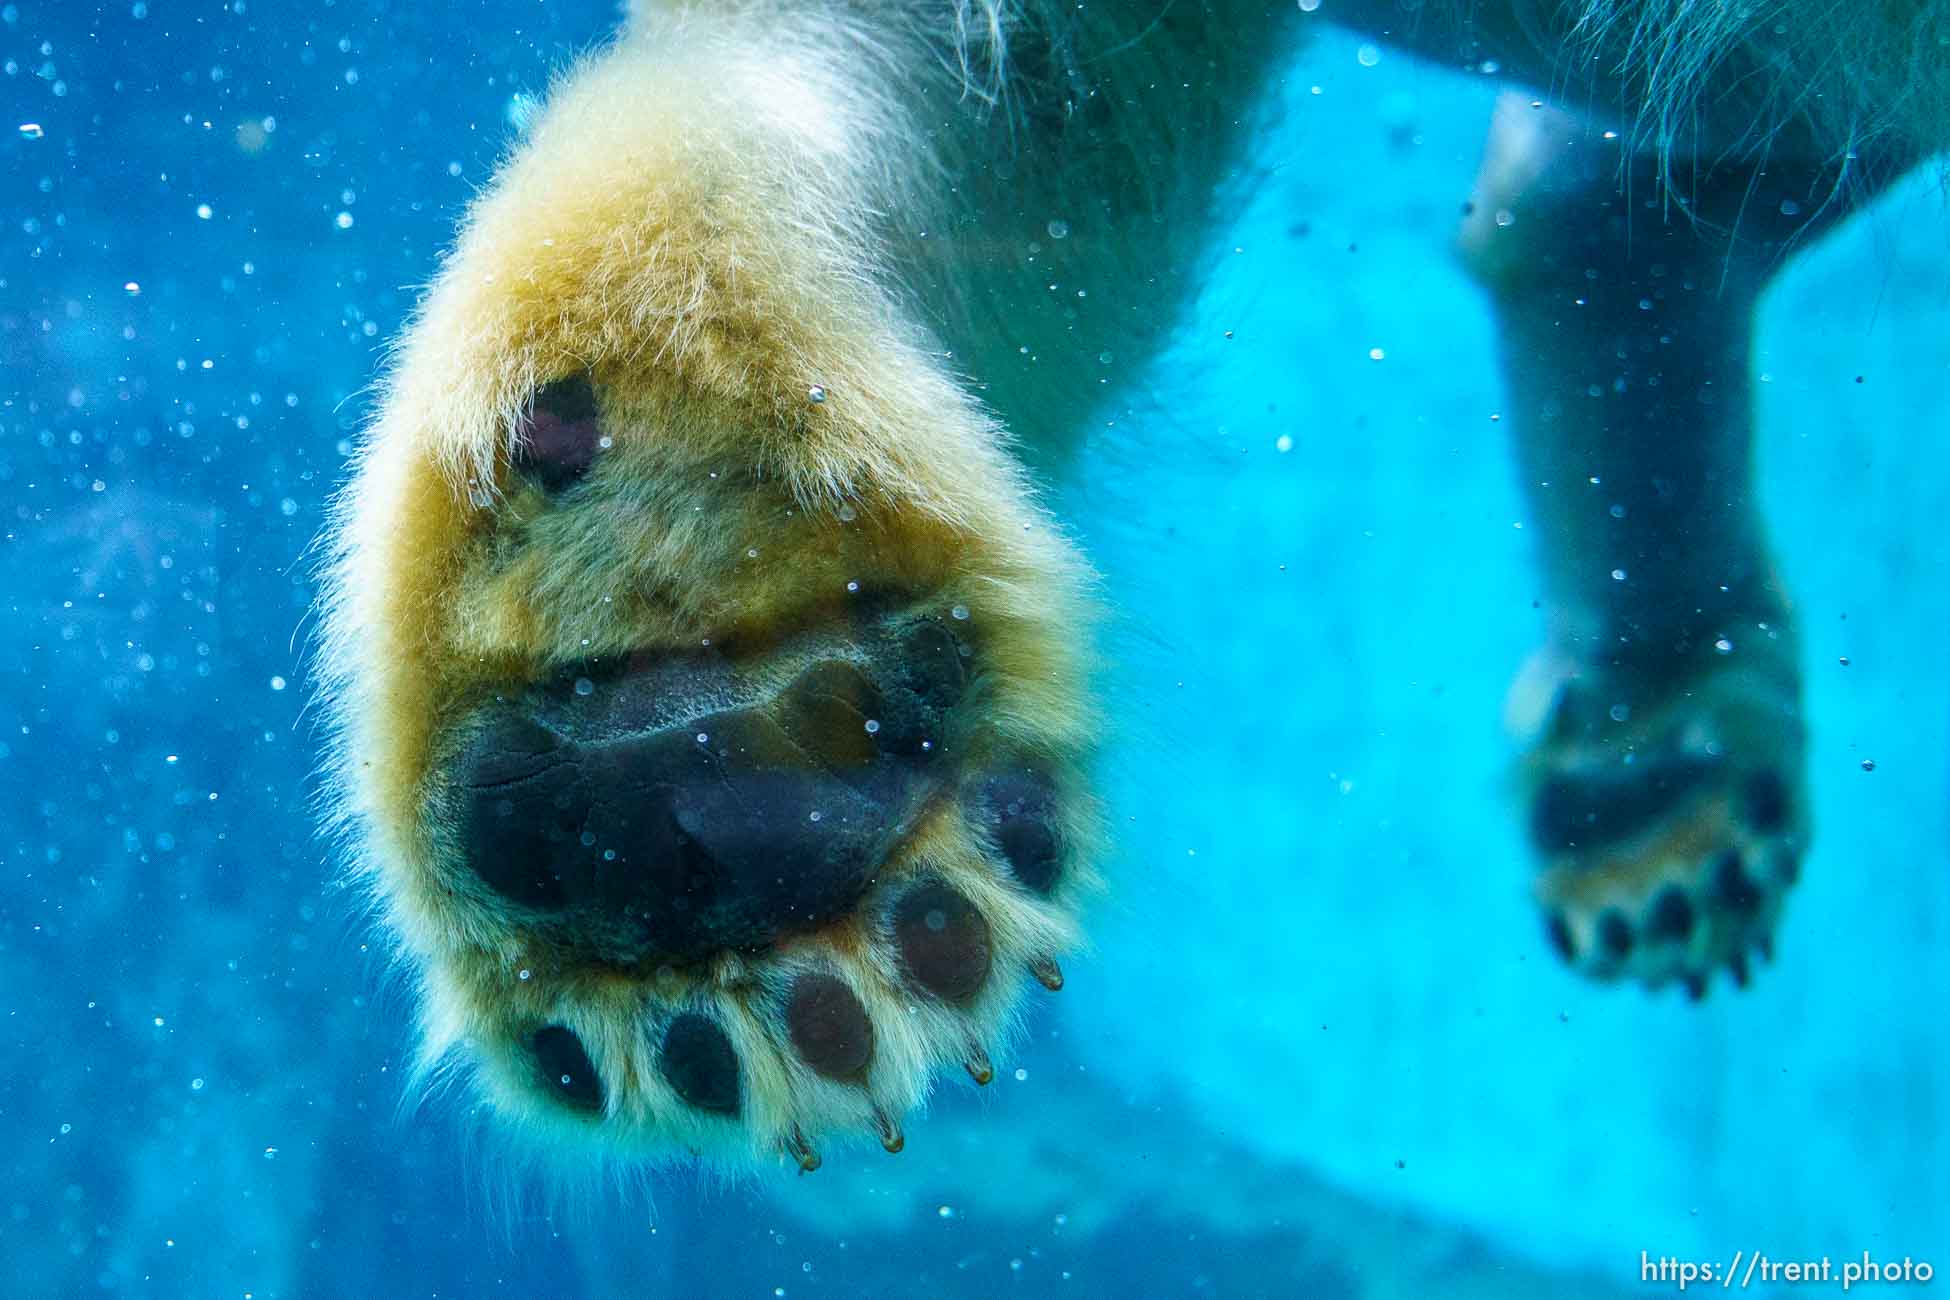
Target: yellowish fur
(683, 224)
(707, 220)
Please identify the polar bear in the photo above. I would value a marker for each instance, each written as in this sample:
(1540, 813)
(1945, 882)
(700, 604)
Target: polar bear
(711, 689)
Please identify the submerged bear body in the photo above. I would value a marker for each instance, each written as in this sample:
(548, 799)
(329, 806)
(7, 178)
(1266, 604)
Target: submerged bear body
(711, 687)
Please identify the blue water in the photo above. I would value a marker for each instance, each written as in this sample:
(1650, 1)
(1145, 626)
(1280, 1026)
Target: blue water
(1319, 1047)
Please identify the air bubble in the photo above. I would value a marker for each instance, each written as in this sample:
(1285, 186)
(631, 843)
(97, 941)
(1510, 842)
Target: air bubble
(873, 726)
(1724, 646)
(814, 815)
(816, 394)
(1058, 229)
(853, 586)
(847, 513)
(584, 686)
(959, 613)
(526, 974)
(31, 131)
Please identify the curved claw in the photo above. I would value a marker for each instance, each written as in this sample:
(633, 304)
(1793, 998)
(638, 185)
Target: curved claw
(978, 1066)
(891, 1136)
(801, 1150)
(1047, 973)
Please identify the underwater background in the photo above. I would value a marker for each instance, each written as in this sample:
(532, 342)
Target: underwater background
(1319, 1048)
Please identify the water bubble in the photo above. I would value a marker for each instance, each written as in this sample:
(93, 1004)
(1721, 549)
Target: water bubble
(752, 553)
(1618, 575)
(1724, 646)
(1283, 443)
(1021, 1075)
(584, 686)
(847, 513)
(31, 131)
(959, 613)
(1368, 55)
(131, 288)
(873, 726)
(526, 974)
(1868, 765)
(270, 1153)
(277, 683)
(1058, 229)
(814, 815)
(1618, 512)
(343, 221)
(1376, 354)
(203, 211)
(703, 737)
(853, 586)
(1620, 712)
(816, 394)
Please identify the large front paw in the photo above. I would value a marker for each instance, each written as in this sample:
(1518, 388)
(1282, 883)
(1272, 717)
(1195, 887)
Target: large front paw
(1669, 811)
(710, 688)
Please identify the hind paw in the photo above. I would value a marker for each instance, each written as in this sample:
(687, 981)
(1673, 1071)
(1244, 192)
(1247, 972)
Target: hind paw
(709, 688)
(1670, 816)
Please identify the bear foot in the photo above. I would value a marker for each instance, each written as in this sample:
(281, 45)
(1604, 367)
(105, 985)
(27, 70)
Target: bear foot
(708, 684)
(1669, 814)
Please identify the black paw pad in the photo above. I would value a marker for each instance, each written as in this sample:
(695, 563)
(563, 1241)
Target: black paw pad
(663, 843)
(1558, 933)
(1764, 802)
(943, 941)
(1732, 887)
(1020, 809)
(1671, 917)
(829, 1027)
(1603, 807)
(556, 441)
(827, 711)
(698, 1063)
(933, 665)
(565, 1069)
(1614, 935)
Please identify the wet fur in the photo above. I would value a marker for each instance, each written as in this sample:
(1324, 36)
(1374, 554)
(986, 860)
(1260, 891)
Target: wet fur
(703, 218)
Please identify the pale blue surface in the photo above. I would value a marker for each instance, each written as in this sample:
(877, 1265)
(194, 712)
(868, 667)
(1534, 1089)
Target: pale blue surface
(1319, 943)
